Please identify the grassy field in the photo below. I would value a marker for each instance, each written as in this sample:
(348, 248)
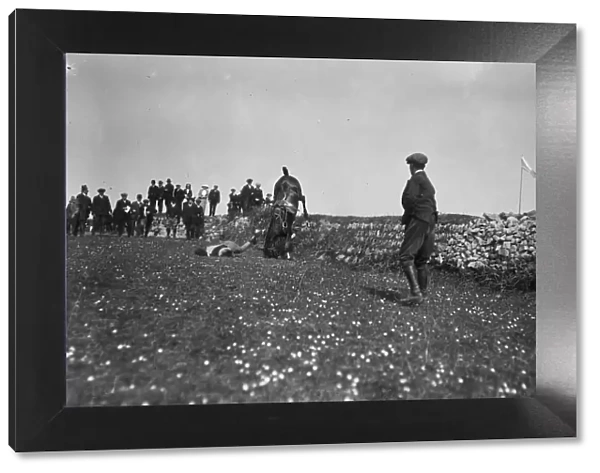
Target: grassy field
(151, 323)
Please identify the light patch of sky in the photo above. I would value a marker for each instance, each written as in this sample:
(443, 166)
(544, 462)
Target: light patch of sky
(343, 127)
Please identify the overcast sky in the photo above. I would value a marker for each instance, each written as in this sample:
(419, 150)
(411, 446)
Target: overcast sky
(343, 127)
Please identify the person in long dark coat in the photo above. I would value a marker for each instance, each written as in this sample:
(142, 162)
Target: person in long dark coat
(122, 215)
(246, 196)
(168, 193)
(180, 196)
(188, 211)
(197, 219)
(153, 193)
(149, 213)
(102, 211)
(420, 217)
(257, 196)
(160, 195)
(214, 199)
(137, 214)
(84, 204)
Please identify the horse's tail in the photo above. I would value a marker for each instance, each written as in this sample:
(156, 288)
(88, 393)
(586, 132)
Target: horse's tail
(285, 171)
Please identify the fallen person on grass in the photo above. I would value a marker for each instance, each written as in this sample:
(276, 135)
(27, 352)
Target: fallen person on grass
(225, 248)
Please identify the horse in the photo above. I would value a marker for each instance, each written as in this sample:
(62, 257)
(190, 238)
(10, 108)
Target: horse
(287, 197)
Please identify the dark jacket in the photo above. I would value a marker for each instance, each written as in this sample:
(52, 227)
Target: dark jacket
(418, 199)
(188, 212)
(257, 197)
(137, 210)
(120, 213)
(85, 205)
(197, 214)
(179, 195)
(246, 196)
(153, 192)
(101, 205)
(214, 196)
(160, 192)
(168, 192)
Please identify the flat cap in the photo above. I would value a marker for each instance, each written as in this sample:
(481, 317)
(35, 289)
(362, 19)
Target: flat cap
(416, 158)
(102, 189)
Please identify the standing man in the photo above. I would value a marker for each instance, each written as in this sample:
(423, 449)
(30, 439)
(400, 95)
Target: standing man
(85, 206)
(214, 199)
(123, 214)
(102, 211)
(269, 200)
(149, 212)
(197, 219)
(137, 211)
(168, 193)
(153, 193)
(257, 196)
(72, 213)
(246, 196)
(420, 218)
(179, 198)
(187, 215)
(160, 195)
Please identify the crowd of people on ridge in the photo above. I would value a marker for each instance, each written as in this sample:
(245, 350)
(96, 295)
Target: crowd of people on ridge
(175, 202)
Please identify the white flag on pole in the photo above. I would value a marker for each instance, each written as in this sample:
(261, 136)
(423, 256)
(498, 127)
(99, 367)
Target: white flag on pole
(527, 167)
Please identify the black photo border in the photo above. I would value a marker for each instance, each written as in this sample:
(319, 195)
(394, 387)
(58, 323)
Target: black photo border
(39, 420)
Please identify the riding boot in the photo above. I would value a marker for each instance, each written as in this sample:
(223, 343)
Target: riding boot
(415, 297)
(423, 280)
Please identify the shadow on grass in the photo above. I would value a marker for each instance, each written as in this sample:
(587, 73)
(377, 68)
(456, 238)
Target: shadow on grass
(387, 294)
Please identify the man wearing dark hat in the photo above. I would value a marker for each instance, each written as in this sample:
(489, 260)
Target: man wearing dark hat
(123, 215)
(420, 217)
(137, 215)
(214, 199)
(160, 196)
(257, 196)
(168, 193)
(153, 193)
(179, 198)
(102, 211)
(188, 212)
(85, 205)
(246, 196)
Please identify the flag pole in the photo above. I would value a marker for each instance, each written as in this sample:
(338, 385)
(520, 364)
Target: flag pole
(520, 190)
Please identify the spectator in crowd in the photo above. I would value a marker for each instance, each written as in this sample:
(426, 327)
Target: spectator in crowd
(102, 211)
(197, 219)
(188, 191)
(168, 193)
(214, 199)
(180, 196)
(84, 203)
(225, 248)
(187, 214)
(172, 220)
(232, 205)
(203, 196)
(122, 215)
(153, 193)
(257, 196)
(160, 195)
(246, 196)
(72, 212)
(269, 200)
(149, 212)
(420, 217)
(137, 214)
